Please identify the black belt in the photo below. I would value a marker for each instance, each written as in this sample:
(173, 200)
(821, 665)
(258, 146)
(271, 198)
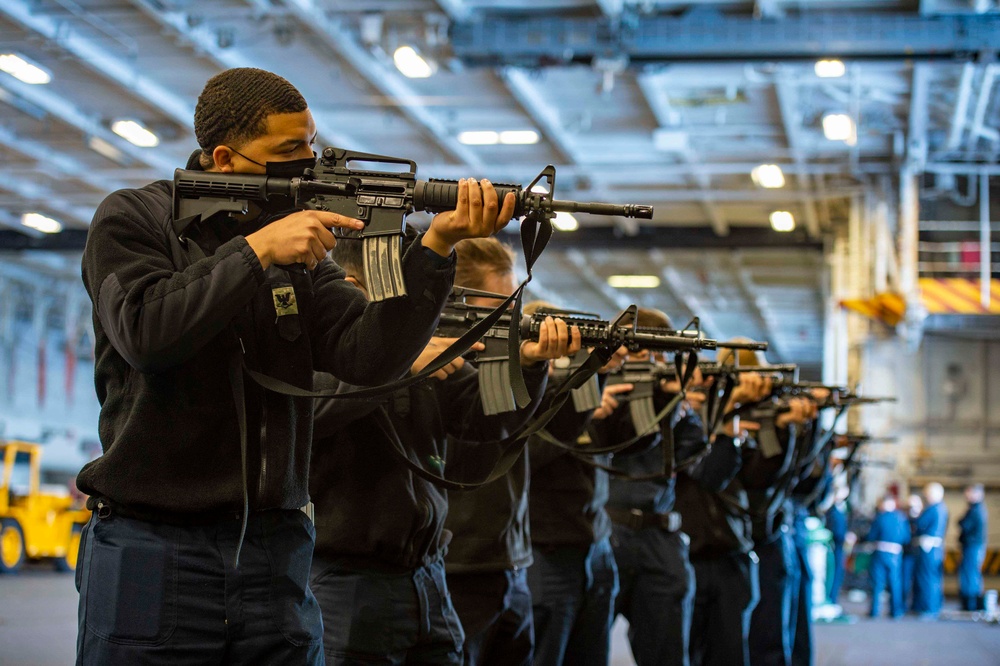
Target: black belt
(639, 520)
(106, 508)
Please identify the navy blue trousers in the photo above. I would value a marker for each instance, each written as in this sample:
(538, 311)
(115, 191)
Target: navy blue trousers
(837, 575)
(802, 612)
(772, 624)
(573, 592)
(160, 594)
(970, 576)
(495, 609)
(386, 618)
(656, 593)
(884, 569)
(928, 580)
(909, 568)
(726, 592)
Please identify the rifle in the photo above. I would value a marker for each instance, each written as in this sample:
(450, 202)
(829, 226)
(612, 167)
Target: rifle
(381, 199)
(494, 361)
(711, 369)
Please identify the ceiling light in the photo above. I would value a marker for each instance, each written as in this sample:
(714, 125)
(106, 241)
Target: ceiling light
(24, 70)
(634, 281)
(838, 126)
(519, 137)
(768, 175)
(782, 220)
(135, 133)
(39, 222)
(565, 222)
(479, 138)
(411, 63)
(830, 69)
(102, 147)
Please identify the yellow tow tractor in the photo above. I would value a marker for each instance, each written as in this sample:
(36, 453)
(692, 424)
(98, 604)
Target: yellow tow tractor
(36, 521)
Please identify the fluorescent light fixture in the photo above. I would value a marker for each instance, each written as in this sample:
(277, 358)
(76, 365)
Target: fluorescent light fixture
(102, 147)
(39, 222)
(634, 281)
(135, 133)
(411, 64)
(838, 126)
(782, 220)
(519, 137)
(22, 69)
(830, 69)
(479, 138)
(768, 175)
(566, 222)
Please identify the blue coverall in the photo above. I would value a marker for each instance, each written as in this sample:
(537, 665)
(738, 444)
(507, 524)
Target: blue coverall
(836, 522)
(929, 566)
(970, 572)
(889, 527)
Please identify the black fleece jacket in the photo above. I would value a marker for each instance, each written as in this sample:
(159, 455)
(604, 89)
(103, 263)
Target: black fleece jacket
(371, 509)
(171, 314)
(567, 496)
(713, 503)
(490, 525)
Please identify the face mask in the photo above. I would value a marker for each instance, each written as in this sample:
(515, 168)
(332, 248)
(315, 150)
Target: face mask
(286, 169)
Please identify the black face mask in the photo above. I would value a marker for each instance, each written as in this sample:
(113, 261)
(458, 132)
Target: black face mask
(286, 169)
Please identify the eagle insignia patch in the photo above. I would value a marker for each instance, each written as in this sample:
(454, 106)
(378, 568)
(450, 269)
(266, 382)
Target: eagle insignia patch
(284, 301)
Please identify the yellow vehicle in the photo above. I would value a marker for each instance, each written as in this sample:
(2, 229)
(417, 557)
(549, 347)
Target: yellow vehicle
(36, 521)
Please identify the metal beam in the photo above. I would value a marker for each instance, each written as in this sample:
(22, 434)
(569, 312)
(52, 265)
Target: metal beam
(751, 296)
(89, 54)
(206, 42)
(67, 240)
(788, 104)
(47, 160)
(55, 105)
(586, 272)
(547, 119)
(388, 82)
(709, 36)
(667, 117)
(30, 191)
(675, 286)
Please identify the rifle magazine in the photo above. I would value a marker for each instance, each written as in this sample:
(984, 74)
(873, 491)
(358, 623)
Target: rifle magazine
(587, 398)
(383, 267)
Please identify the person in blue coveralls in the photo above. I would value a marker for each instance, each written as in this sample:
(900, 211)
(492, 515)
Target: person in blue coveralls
(836, 522)
(973, 540)
(929, 566)
(889, 531)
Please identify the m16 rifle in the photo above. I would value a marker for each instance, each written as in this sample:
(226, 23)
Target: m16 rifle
(380, 198)
(494, 361)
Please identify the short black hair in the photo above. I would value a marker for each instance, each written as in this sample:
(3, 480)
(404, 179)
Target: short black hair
(234, 106)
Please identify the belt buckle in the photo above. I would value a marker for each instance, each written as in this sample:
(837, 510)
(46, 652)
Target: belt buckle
(635, 519)
(673, 522)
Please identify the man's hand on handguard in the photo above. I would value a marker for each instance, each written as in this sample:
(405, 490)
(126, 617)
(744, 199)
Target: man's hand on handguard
(478, 215)
(300, 238)
(433, 350)
(555, 339)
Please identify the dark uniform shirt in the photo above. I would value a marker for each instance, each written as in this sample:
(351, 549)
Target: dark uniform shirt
(370, 506)
(973, 525)
(567, 495)
(170, 315)
(713, 503)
